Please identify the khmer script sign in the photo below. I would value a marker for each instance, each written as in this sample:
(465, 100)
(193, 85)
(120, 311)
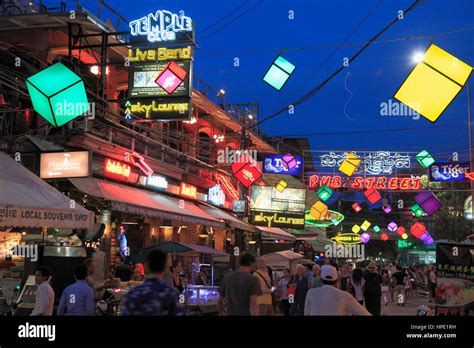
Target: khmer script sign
(373, 163)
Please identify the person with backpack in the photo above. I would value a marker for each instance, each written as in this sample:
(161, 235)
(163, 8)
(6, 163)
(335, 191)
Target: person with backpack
(373, 289)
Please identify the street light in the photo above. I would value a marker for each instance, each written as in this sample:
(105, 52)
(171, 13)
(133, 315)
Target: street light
(417, 57)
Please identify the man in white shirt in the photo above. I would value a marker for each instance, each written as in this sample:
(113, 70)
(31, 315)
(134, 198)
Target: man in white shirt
(328, 300)
(44, 294)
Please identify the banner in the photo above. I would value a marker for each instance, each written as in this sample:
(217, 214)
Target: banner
(455, 282)
(453, 171)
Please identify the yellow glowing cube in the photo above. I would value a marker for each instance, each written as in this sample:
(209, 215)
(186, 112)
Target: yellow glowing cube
(318, 210)
(365, 225)
(350, 164)
(356, 229)
(433, 83)
(281, 186)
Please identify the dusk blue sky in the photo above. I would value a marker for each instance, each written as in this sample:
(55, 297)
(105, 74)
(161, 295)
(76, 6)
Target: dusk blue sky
(374, 76)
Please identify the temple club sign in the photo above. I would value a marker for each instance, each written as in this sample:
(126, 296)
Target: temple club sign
(161, 26)
(360, 182)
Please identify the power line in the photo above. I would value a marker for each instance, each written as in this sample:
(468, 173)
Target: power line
(316, 89)
(233, 20)
(225, 16)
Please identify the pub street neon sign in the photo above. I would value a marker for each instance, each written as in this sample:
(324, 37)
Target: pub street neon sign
(360, 182)
(161, 26)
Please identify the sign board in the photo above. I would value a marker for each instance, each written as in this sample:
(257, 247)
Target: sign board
(116, 170)
(373, 162)
(347, 238)
(468, 210)
(360, 182)
(272, 208)
(331, 218)
(64, 165)
(452, 171)
(455, 279)
(188, 190)
(238, 206)
(159, 109)
(162, 27)
(272, 164)
(216, 196)
(153, 180)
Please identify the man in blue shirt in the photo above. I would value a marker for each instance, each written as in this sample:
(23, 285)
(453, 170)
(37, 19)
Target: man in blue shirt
(78, 298)
(154, 296)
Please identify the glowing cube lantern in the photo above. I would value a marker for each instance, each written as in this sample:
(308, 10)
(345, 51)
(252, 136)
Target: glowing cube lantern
(324, 193)
(401, 231)
(392, 227)
(387, 208)
(288, 161)
(350, 164)
(365, 225)
(364, 237)
(428, 202)
(356, 228)
(318, 210)
(417, 229)
(335, 221)
(404, 236)
(426, 238)
(433, 83)
(376, 228)
(425, 158)
(357, 208)
(171, 77)
(57, 94)
(281, 186)
(372, 195)
(279, 73)
(384, 237)
(417, 210)
(245, 171)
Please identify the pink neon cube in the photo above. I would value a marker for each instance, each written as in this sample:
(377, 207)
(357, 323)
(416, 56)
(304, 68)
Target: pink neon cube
(364, 237)
(171, 77)
(387, 208)
(392, 227)
(288, 161)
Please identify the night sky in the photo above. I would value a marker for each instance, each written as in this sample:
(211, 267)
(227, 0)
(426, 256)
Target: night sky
(373, 78)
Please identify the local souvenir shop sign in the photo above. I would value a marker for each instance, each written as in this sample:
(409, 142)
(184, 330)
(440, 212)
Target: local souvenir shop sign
(449, 171)
(277, 219)
(373, 163)
(162, 27)
(360, 182)
(38, 217)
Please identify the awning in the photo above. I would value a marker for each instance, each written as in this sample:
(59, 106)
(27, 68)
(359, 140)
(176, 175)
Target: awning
(141, 202)
(276, 233)
(319, 243)
(231, 219)
(28, 201)
(173, 247)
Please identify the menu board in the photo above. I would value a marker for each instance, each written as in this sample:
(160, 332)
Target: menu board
(455, 279)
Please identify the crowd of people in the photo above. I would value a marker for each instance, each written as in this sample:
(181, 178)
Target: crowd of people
(253, 289)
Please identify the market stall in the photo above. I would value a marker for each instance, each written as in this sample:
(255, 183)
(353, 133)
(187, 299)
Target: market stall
(280, 260)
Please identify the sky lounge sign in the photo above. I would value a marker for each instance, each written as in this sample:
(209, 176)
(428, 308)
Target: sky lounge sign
(162, 26)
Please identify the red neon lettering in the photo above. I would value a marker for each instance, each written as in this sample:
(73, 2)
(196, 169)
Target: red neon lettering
(358, 181)
(325, 180)
(416, 182)
(369, 182)
(116, 167)
(381, 182)
(336, 181)
(405, 184)
(188, 190)
(393, 183)
(313, 181)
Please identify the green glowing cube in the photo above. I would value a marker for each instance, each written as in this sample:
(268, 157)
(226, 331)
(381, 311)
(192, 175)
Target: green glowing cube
(417, 210)
(376, 228)
(425, 158)
(58, 94)
(279, 73)
(324, 193)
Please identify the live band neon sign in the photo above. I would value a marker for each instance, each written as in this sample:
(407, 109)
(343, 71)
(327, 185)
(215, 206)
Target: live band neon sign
(360, 182)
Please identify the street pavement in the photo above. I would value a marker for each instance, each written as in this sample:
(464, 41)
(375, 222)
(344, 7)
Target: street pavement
(410, 307)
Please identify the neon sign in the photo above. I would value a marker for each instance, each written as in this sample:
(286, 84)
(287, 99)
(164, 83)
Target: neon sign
(139, 162)
(449, 171)
(216, 196)
(161, 26)
(188, 190)
(116, 169)
(360, 182)
(159, 54)
(229, 189)
(158, 109)
(331, 218)
(347, 238)
(374, 163)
